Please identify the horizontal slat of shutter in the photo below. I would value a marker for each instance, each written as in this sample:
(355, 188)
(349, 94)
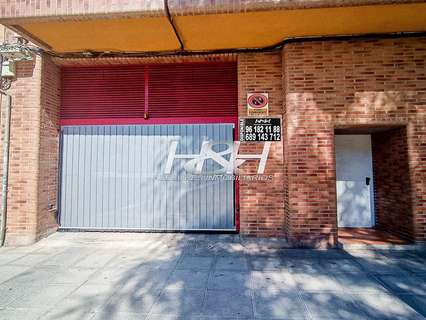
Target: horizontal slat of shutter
(174, 90)
(110, 92)
(191, 90)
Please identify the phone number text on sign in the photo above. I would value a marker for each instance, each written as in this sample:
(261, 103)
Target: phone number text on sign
(260, 129)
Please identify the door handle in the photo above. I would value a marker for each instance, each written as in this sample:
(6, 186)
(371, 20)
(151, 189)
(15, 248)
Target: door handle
(367, 181)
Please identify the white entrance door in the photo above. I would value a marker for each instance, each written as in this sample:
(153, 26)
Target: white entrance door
(354, 181)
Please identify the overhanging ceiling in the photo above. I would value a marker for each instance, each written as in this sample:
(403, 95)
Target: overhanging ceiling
(145, 34)
(223, 31)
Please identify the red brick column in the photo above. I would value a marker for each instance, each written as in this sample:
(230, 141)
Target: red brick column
(311, 213)
(49, 148)
(33, 152)
(262, 202)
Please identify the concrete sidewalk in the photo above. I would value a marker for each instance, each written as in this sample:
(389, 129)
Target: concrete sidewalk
(175, 276)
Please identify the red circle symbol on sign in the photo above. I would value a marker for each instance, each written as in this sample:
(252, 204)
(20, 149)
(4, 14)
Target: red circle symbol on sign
(257, 101)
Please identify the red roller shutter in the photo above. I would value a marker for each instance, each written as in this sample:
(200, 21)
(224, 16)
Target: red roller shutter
(102, 92)
(193, 90)
(164, 91)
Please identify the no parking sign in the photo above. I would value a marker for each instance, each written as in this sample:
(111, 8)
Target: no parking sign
(257, 104)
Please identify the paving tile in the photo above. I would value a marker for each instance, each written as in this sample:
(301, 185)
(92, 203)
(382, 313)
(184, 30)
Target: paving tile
(207, 250)
(143, 280)
(420, 254)
(276, 281)
(32, 277)
(228, 303)
(189, 279)
(236, 263)
(66, 313)
(195, 263)
(317, 283)
(405, 284)
(203, 317)
(34, 297)
(417, 302)
(279, 305)
(169, 317)
(23, 250)
(71, 275)
(153, 251)
(84, 301)
(381, 266)
(334, 266)
(331, 254)
(305, 266)
(266, 263)
(128, 259)
(120, 276)
(111, 275)
(365, 253)
(359, 283)
(7, 272)
(414, 265)
(31, 259)
(161, 264)
(179, 301)
(230, 280)
(21, 314)
(118, 316)
(130, 302)
(299, 254)
(386, 307)
(400, 254)
(8, 256)
(48, 250)
(8, 294)
(88, 291)
(39, 276)
(332, 306)
(313, 254)
(68, 257)
(96, 260)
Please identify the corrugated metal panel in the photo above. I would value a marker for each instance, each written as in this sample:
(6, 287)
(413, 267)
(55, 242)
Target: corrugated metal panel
(171, 90)
(111, 179)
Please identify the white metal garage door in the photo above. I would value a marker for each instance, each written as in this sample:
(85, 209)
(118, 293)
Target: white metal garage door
(112, 178)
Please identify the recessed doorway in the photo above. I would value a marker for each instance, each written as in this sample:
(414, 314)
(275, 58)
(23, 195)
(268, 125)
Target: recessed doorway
(373, 189)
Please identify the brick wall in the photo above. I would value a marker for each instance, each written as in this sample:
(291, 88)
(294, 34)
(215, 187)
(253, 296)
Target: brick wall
(33, 156)
(262, 202)
(348, 84)
(324, 85)
(23, 170)
(54, 10)
(391, 183)
(49, 148)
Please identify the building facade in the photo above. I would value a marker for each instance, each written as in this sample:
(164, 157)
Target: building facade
(85, 119)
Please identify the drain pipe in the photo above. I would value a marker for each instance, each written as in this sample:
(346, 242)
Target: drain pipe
(5, 178)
